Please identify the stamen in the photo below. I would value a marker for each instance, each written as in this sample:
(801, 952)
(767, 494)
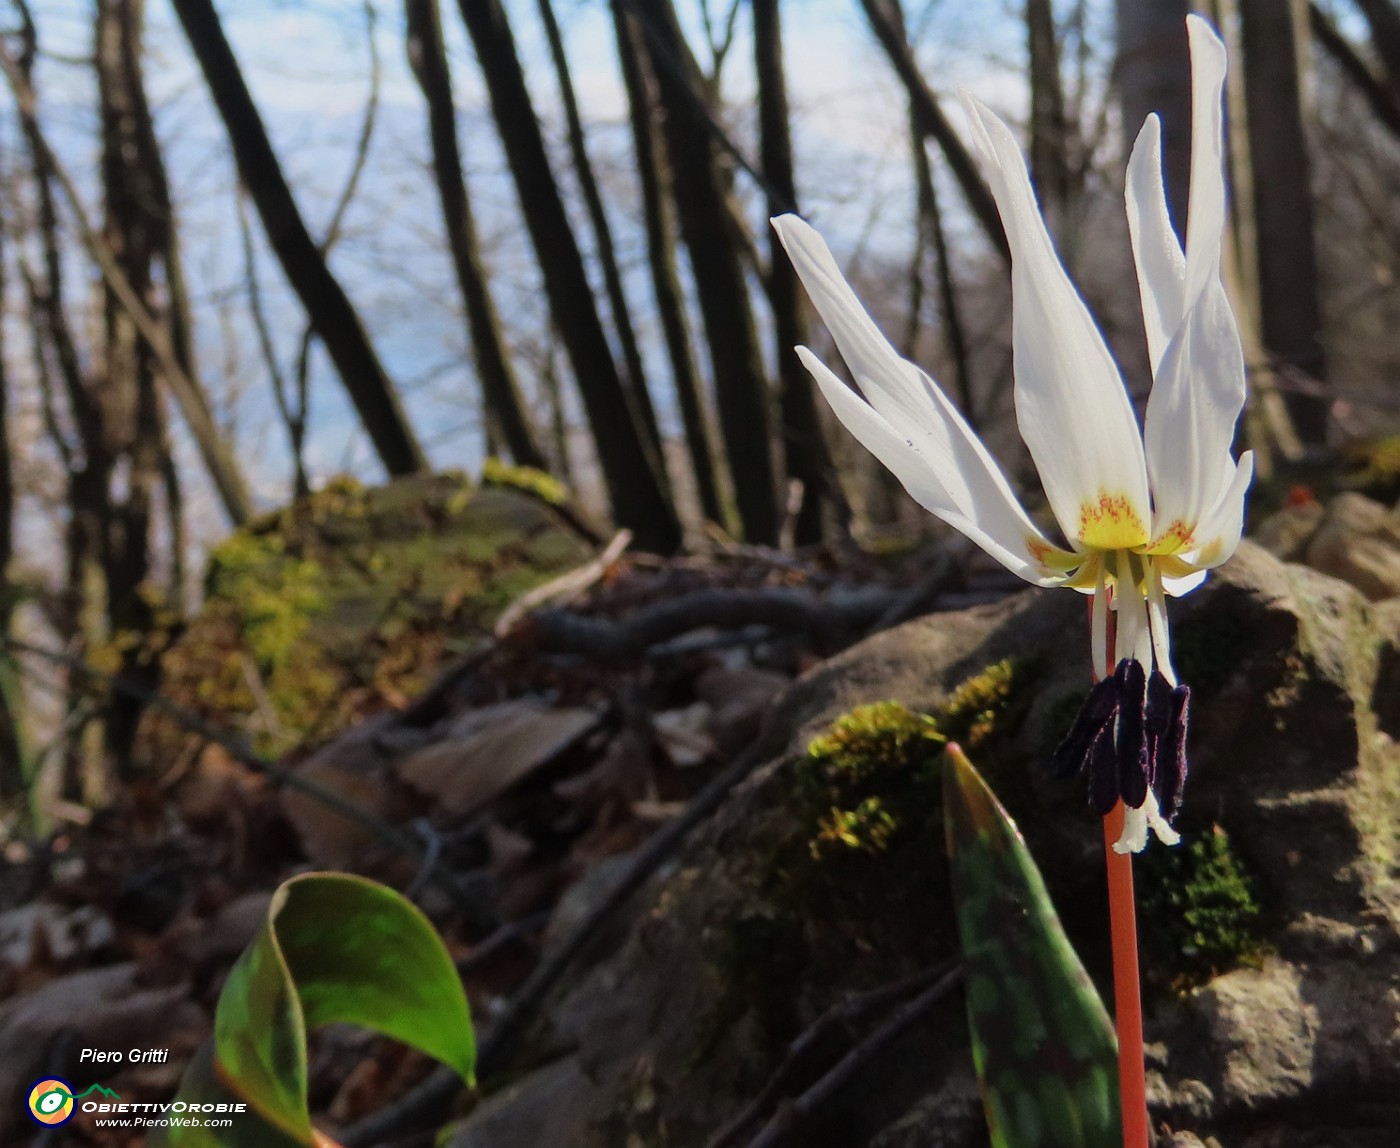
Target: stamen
(1098, 621)
(1103, 772)
(1171, 757)
(1131, 744)
(1072, 754)
(1157, 620)
(1159, 722)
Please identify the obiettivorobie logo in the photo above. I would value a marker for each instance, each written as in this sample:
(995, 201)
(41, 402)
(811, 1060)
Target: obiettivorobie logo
(52, 1101)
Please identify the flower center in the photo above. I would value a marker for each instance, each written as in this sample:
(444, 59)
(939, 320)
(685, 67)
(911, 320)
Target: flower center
(1110, 523)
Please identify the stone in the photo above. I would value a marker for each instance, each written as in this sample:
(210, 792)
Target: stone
(1358, 541)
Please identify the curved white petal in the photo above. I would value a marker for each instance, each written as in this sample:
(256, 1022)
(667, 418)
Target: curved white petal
(1205, 222)
(1176, 586)
(1071, 405)
(1161, 264)
(1191, 415)
(1219, 532)
(893, 385)
(995, 523)
(909, 401)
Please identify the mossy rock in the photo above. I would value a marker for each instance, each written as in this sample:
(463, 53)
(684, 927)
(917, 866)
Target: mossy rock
(1287, 875)
(351, 600)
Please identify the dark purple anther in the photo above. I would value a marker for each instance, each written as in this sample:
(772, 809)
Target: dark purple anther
(1072, 754)
(1171, 757)
(1132, 732)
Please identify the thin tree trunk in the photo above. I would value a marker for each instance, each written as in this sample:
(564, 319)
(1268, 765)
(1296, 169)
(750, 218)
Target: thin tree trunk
(133, 421)
(652, 171)
(1049, 129)
(707, 225)
(1154, 75)
(12, 778)
(1290, 307)
(1382, 92)
(890, 31)
(1383, 19)
(602, 231)
(635, 487)
(805, 456)
(327, 306)
(500, 391)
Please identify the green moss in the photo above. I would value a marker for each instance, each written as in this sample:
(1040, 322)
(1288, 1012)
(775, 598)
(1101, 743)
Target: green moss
(495, 472)
(1201, 910)
(976, 708)
(276, 594)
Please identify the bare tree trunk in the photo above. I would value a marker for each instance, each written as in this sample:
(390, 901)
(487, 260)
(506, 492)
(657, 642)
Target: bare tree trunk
(12, 778)
(805, 456)
(888, 25)
(635, 487)
(1383, 19)
(652, 171)
(1049, 129)
(1290, 308)
(135, 229)
(500, 392)
(602, 232)
(327, 306)
(708, 227)
(1380, 91)
(1154, 75)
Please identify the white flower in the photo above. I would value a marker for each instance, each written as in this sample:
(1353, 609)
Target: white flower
(1145, 513)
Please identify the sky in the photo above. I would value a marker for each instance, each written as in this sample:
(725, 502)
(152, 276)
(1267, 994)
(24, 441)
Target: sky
(307, 63)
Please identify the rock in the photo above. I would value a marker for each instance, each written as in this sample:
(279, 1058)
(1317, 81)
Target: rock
(1286, 533)
(1358, 541)
(549, 1107)
(350, 601)
(1292, 835)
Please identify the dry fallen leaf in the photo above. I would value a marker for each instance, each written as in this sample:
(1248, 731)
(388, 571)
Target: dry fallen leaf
(485, 751)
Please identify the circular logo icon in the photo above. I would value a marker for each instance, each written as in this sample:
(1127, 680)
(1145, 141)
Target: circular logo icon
(51, 1101)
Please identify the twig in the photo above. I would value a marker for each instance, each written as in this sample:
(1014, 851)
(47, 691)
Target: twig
(565, 588)
(438, 1090)
(830, 619)
(849, 1011)
(467, 901)
(790, 1118)
(502, 939)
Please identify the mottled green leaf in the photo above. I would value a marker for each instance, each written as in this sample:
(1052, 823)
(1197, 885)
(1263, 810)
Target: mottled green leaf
(1045, 1051)
(334, 948)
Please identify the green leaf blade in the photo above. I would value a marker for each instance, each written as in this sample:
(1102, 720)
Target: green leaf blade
(1043, 1045)
(334, 948)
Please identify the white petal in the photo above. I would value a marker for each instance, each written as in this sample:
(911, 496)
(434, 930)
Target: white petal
(998, 526)
(1205, 222)
(1071, 404)
(1161, 265)
(1219, 532)
(893, 385)
(914, 407)
(1176, 586)
(1191, 415)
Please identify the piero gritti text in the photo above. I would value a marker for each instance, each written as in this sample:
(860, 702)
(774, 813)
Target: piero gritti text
(129, 1056)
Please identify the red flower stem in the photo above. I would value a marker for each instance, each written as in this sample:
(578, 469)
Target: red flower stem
(1127, 991)
(1127, 994)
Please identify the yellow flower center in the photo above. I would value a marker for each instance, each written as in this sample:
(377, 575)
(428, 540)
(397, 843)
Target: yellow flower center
(1110, 523)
